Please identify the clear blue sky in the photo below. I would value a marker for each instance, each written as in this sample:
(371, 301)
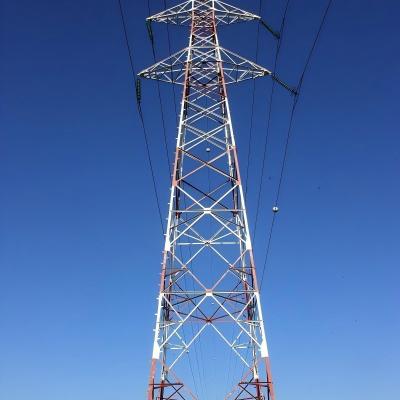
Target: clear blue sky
(80, 240)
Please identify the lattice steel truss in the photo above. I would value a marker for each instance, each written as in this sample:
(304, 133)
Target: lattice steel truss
(208, 277)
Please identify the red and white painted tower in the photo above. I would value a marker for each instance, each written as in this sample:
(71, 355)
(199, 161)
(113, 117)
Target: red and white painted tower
(208, 289)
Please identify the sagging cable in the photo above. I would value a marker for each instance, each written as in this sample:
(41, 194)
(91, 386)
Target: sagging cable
(274, 33)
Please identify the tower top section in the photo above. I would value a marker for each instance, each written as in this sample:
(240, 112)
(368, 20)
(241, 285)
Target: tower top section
(204, 52)
(182, 14)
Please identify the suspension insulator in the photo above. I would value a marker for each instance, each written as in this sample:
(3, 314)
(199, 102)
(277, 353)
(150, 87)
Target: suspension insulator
(274, 33)
(138, 86)
(150, 31)
(292, 90)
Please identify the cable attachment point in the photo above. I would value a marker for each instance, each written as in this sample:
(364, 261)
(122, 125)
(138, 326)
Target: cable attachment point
(284, 85)
(274, 33)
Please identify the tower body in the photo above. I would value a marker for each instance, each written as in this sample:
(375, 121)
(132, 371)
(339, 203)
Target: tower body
(209, 299)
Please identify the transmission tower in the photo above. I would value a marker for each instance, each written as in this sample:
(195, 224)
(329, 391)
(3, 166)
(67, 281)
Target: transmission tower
(208, 290)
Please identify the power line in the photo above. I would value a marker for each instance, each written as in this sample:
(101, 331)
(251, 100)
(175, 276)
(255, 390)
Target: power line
(170, 52)
(278, 47)
(139, 109)
(295, 100)
(184, 203)
(289, 131)
(278, 36)
(252, 104)
(249, 149)
(151, 36)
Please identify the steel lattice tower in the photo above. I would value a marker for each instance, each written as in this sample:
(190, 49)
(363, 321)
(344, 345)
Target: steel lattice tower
(208, 277)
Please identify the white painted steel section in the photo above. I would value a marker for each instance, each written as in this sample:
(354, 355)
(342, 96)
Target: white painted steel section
(264, 346)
